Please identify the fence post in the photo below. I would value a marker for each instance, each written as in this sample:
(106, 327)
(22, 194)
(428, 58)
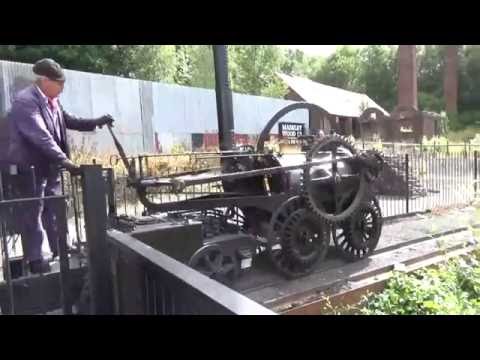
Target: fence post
(147, 167)
(475, 173)
(95, 210)
(140, 162)
(112, 206)
(65, 278)
(5, 258)
(407, 197)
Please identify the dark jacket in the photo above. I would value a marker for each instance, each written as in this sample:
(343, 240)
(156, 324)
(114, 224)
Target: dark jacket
(32, 139)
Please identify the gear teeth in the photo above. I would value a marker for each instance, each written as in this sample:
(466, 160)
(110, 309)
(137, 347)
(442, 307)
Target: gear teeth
(379, 157)
(333, 219)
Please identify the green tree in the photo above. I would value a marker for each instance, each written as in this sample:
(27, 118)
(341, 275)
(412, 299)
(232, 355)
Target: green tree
(147, 62)
(296, 62)
(377, 74)
(183, 70)
(340, 69)
(253, 70)
(469, 99)
(430, 77)
(202, 66)
(430, 69)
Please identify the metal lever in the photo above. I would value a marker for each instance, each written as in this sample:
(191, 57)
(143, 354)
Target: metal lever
(121, 152)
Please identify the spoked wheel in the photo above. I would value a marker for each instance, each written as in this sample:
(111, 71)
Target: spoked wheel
(305, 239)
(212, 262)
(357, 237)
(298, 239)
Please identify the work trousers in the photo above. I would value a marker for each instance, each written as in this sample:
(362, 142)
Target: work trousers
(39, 218)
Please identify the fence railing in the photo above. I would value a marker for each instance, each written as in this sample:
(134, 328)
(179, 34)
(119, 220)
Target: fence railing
(397, 148)
(417, 179)
(430, 181)
(15, 289)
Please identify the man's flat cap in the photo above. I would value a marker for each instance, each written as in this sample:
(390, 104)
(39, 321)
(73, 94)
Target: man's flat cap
(50, 69)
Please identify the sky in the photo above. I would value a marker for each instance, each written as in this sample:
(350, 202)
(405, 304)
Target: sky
(322, 50)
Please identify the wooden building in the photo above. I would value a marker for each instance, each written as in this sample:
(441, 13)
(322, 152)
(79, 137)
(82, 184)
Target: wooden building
(340, 109)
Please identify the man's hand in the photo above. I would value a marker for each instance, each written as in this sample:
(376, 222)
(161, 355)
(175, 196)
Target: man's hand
(70, 167)
(105, 120)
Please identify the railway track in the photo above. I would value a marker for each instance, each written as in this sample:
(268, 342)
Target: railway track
(337, 284)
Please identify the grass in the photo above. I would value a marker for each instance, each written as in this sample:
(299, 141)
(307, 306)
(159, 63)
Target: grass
(464, 135)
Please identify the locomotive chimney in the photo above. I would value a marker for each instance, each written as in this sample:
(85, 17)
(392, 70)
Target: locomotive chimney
(224, 97)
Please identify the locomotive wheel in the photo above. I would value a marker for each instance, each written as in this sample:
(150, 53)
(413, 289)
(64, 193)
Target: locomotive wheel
(290, 251)
(334, 197)
(212, 262)
(305, 238)
(358, 237)
(277, 221)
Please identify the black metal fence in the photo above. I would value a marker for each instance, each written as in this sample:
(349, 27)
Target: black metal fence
(149, 282)
(418, 178)
(16, 290)
(165, 165)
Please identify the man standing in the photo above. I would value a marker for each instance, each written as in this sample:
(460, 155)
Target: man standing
(38, 139)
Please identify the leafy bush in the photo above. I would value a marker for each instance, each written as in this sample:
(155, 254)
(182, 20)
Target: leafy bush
(452, 288)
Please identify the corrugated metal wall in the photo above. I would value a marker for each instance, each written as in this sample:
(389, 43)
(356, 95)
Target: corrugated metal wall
(147, 113)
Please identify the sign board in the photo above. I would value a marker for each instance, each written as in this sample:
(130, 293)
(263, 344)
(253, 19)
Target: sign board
(291, 130)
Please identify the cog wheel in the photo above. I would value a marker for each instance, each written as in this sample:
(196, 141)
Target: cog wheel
(373, 161)
(334, 191)
(357, 238)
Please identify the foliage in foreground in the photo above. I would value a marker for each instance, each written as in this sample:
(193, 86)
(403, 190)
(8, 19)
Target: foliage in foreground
(452, 288)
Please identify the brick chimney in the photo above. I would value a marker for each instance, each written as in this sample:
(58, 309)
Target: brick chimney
(407, 76)
(450, 80)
